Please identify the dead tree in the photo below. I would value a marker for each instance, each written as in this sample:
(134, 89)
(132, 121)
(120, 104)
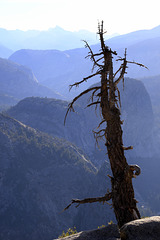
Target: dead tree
(122, 192)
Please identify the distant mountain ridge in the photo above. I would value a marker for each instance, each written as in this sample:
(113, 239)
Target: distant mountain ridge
(125, 40)
(53, 38)
(18, 82)
(48, 116)
(40, 172)
(58, 69)
(5, 52)
(60, 39)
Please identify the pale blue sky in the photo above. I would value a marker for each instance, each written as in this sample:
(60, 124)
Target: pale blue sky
(120, 16)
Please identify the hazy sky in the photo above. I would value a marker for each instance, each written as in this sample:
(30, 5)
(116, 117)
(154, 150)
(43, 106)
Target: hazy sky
(120, 16)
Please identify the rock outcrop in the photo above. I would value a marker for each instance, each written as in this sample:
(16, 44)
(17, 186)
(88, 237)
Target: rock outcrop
(142, 229)
(110, 232)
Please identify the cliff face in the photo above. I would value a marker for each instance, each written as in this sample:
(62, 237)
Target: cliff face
(138, 119)
(18, 82)
(39, 175)
(48, 115)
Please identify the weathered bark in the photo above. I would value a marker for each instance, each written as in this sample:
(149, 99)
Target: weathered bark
(122, 194)
(123, 200)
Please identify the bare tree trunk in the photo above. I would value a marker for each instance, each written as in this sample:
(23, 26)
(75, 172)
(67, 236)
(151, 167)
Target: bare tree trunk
(122, 194)
(123, 200)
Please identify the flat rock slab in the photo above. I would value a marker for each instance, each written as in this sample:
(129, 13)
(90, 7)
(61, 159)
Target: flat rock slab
(142, 229)
(110, 232)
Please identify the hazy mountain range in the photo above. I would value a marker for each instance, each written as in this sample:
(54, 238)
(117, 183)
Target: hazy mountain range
(41, 173)
(5, 52)
(53, 38)
(18, 82)
(48, 115)
(58, 69)
(43, 165)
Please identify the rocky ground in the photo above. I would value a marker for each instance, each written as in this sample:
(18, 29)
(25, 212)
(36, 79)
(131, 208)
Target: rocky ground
(142, 229)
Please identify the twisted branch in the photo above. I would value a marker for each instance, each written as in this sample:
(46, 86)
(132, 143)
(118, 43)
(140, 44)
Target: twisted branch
(70, 106)
(139, 64)
(92, 56)
(101, 123)
(103, 199)
(98, 133)
(84, 80)
(93, 94)
(122, 68)
(93, 103)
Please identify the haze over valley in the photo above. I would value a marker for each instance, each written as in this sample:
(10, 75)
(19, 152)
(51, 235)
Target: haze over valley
(44, 164)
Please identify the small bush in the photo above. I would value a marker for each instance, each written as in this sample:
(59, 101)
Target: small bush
(111, 222)
(69, 232)
(101, 226)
